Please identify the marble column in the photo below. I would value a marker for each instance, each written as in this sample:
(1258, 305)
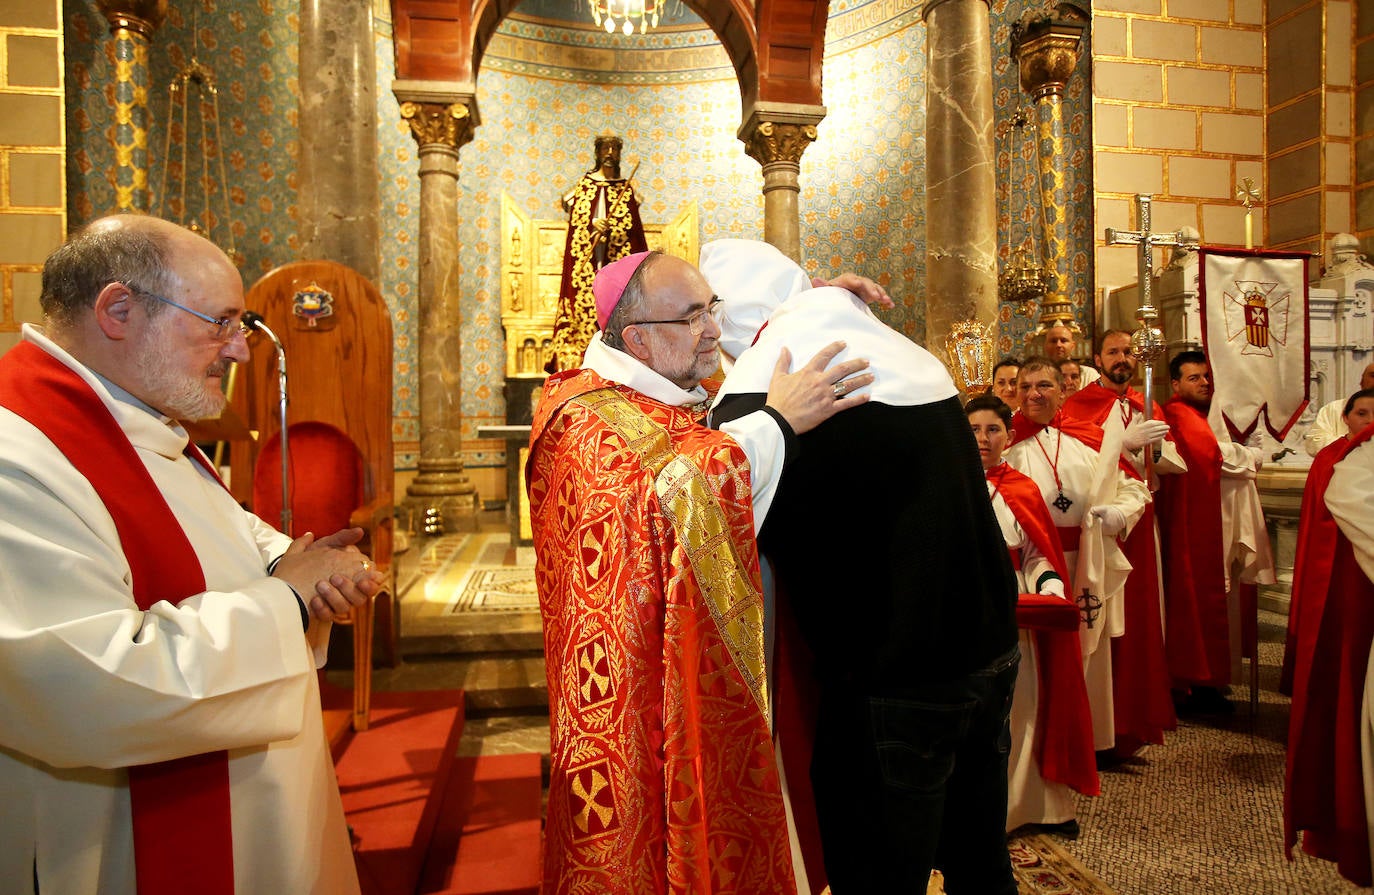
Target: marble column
(441, 122)
(132, 23)
(338, 199)
(1046, 53)
(775, 135)
(961, 210)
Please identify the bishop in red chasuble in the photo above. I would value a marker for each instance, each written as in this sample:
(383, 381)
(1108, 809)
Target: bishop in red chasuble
(663, 776)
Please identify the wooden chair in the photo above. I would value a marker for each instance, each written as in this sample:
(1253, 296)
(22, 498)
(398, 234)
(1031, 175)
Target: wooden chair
(339, 389)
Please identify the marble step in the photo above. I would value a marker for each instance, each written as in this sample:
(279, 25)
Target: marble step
(491, 682)
(471, 633)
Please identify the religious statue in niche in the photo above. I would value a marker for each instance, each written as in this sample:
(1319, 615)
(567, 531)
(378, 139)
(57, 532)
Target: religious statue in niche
(603, 226)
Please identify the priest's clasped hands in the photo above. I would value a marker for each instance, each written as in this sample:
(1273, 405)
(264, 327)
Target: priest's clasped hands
(331, 574)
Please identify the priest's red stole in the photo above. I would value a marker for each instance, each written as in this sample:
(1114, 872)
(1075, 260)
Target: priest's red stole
(1063, 721)
(181, 813)
(1198, 635)
(663, 777)
(1334, 605)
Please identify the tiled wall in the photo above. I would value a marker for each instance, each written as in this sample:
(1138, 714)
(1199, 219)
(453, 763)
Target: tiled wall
(32, 206)
(1178, 113)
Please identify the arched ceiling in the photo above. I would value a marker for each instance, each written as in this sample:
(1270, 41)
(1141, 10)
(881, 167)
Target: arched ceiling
(775, 46)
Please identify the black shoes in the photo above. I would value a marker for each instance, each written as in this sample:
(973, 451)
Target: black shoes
(1068, 829)
(1205, 701)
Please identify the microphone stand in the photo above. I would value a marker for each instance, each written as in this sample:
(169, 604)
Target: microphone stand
(254, 321)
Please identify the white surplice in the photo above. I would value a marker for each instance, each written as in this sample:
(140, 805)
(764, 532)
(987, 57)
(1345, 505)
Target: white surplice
(1030, 797)
(90, 684)
(1089, 478)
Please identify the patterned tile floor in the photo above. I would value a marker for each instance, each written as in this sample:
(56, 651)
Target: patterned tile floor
(1200, 815)
(1203, 814)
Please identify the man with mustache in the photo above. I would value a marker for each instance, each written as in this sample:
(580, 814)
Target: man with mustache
(159, 715)
(1144, 707)
(663, 775)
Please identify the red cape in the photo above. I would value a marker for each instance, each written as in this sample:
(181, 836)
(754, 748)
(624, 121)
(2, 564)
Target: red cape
(1094, 401)
(1063, 724)
(182, 825)
(1144, 706)
(663, 776)
(1316, 529)
(1198, 635)
(1333, 603)
(1023, 427)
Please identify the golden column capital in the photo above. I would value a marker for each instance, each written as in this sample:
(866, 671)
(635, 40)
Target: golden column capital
(1046, 52)
(142, 17)
(445, 124)
(774, 141)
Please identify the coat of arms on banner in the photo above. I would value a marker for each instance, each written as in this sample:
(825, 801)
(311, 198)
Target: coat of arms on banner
(1259, 312)
(1253, 306)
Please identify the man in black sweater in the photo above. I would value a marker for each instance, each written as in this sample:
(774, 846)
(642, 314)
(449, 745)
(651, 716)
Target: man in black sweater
(913, 627)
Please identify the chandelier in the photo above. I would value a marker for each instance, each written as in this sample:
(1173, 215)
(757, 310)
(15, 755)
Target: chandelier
(1024, 280)
(627, 13)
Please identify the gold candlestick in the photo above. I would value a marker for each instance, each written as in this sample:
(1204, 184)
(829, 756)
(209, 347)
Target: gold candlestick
(1248, 194)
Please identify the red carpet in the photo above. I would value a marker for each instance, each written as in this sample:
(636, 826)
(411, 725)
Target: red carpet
(487, 841)
(388, 775)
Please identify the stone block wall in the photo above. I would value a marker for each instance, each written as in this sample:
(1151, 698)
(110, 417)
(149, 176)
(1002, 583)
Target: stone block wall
(33, 215)
(1178, 113)
(1309, 101)
(1364, 124)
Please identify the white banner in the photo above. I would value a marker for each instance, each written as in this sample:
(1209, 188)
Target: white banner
(1253, 306)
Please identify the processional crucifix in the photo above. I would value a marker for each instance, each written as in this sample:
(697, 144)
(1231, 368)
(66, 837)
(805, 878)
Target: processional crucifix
(1148, 340)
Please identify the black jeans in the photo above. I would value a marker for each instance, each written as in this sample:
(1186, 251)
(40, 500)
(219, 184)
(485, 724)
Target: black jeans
(906, 782)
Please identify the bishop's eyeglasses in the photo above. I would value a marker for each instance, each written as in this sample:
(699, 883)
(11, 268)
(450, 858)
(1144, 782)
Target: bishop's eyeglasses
(226, 327)
(696, 322)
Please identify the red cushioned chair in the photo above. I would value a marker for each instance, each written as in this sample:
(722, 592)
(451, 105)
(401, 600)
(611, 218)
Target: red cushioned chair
(339, 415)
(325, 478)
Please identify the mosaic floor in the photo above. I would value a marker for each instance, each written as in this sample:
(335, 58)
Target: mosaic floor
(1200, 815)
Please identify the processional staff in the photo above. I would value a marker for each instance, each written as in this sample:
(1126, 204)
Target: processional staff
(1148, 340)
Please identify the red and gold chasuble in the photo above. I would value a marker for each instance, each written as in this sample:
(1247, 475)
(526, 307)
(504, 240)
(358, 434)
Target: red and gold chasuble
(663, 777)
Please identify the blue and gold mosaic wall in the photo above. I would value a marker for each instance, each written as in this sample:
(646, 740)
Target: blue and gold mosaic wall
(544, 90)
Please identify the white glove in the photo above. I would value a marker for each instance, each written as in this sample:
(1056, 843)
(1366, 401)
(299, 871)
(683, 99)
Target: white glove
(1053, 586)
(1113, 521)
(1141, 432)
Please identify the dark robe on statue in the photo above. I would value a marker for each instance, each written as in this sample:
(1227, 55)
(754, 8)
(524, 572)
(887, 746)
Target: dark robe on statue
(663, 775)
(586, 252)
(1324, 792)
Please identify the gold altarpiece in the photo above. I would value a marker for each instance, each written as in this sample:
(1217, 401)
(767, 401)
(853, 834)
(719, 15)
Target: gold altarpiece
(532, 270)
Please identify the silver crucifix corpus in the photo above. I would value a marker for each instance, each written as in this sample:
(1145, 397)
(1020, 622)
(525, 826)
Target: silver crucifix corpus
(1148, 341)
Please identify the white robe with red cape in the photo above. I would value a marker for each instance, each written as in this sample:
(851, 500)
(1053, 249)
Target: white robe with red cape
(1090, 477)
(91, 684)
